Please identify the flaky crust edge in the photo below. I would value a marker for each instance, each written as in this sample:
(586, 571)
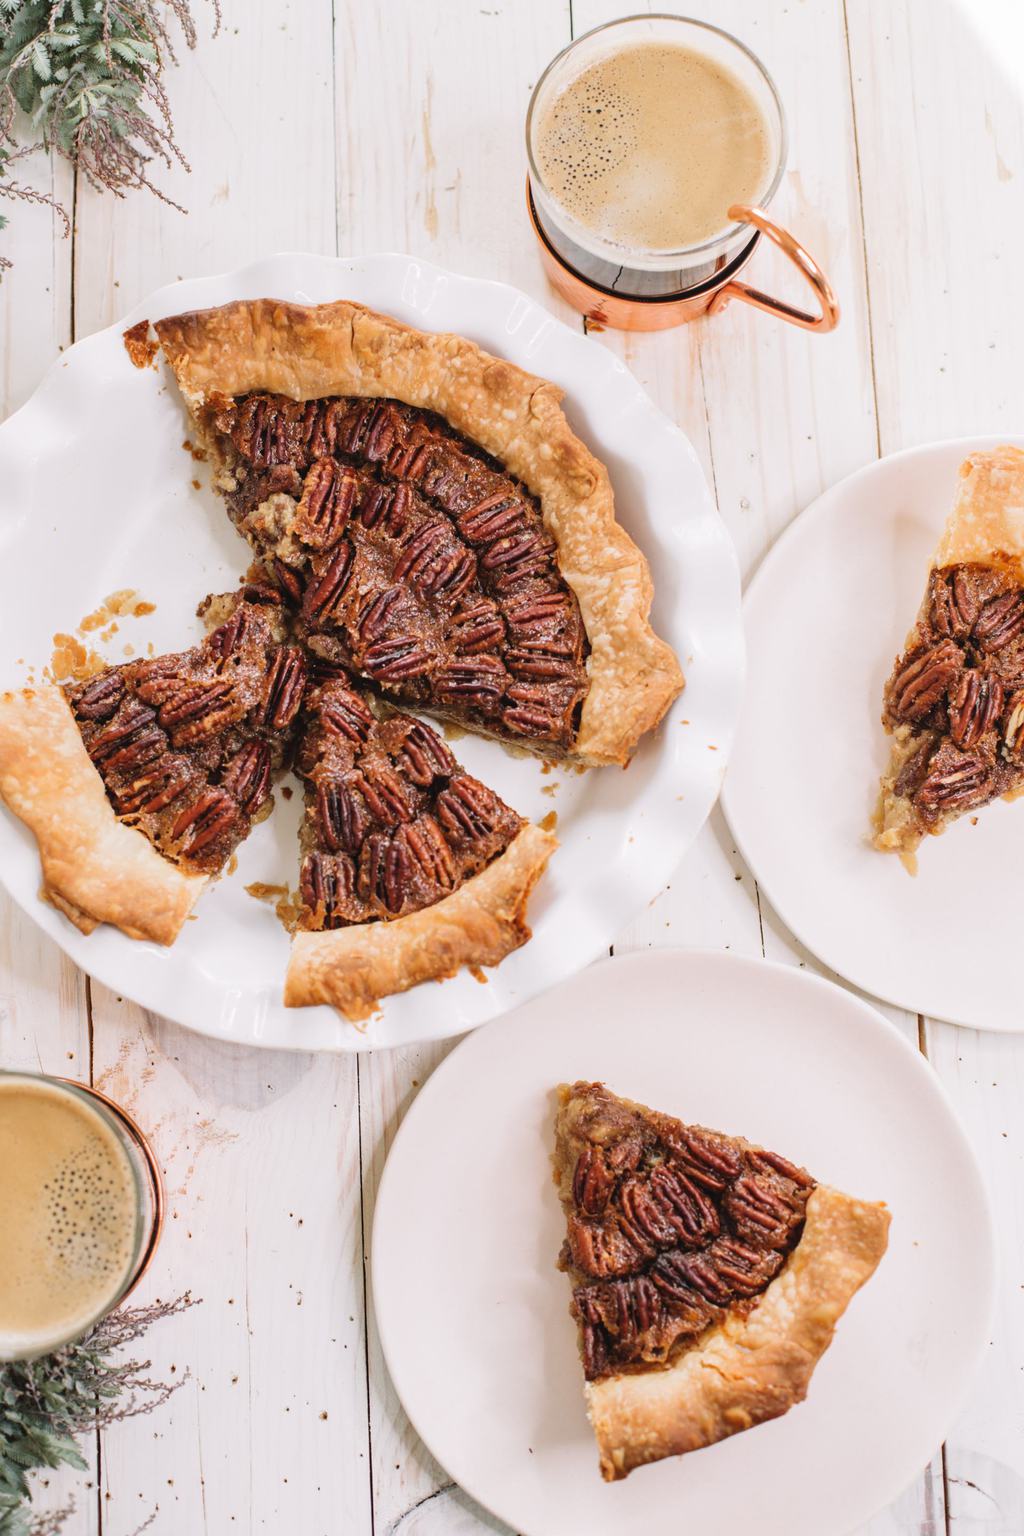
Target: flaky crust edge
(748, 1369)
(479, 924)
(985, 527)
(342, 348)
(95, 869)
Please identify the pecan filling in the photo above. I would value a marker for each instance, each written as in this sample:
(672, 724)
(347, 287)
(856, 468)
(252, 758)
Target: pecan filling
(393, 823)
(959, 688)
(669, 1226)
(187, 744)
(411, 557)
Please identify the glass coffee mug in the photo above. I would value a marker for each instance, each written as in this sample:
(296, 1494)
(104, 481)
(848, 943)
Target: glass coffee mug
(609, 276)
(81, 1211)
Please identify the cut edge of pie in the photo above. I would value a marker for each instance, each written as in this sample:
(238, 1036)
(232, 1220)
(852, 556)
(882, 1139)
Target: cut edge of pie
(478, 924)
(342, 349)
(985, 528)
(755, 1359)
(96, 869)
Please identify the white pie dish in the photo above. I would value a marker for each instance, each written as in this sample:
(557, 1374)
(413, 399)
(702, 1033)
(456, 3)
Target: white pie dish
(96, 495)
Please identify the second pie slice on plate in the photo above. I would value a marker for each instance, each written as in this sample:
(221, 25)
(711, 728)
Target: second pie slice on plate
(954, 702)
(708, 1275)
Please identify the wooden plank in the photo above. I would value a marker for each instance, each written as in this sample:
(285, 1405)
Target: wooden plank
(255, 116)
(43, 1017)
(441, 175)
(260, 1153)
(260, 1150)
(941, 142)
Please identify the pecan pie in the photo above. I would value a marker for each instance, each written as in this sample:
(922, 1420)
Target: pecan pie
(708, 1275)
(954, 702)
(434, 522)
(180, 748)
(411, 866)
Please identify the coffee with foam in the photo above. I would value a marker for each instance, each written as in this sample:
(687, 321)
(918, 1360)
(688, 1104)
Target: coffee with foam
(69, 1215)
(649, 145)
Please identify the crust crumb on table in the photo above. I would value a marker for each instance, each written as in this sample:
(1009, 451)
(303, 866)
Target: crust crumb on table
(549, 822)
(72, 661)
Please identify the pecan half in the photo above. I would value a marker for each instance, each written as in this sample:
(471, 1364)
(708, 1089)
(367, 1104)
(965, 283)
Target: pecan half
(396, 659)
(340, 816)
(419, 551)
(282, 689)
(954, 604)
(974, 707)
(128, 742)
(380, 613)
(467, 809)
(429, 854)
(521, 554)
(478, 680)
(495, 517)
(448, 576)
(198, 710)
(543, 660)
(705, 1157)
(532, 613)
(243, 625)
(384, 794)
(424, 756)
(328, 495)
(915, 769)
(955, 781)
(479, 627)
(1013, 732)
(921, 678)
(328, 585)
(326, 884)
(155, 789)
(206, 819)
(755, 1204)
(100, 697)
(1001, 621)
(534, 711)
(384, 870)
(287, 579)
(342, 711)
(247, 776)
(593, 1183)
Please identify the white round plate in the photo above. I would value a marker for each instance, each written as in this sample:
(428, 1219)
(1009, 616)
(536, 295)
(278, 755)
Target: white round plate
(826, 614)
(96, 495)
(474, 1317)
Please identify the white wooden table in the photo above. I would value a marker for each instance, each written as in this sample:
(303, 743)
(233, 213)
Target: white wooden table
(354, 127)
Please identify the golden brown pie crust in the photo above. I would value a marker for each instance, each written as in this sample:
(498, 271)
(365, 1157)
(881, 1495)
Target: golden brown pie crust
(985, 527)
(343, 349)
(750, 1368)
(478, 924)
(95, 869)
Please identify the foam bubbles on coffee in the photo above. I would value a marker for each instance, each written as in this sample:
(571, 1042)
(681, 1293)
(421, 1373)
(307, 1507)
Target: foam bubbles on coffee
(67, 1215)
(648, 146)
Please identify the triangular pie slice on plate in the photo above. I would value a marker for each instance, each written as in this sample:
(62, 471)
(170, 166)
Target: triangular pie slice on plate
(411, 867)
(954, 702)
(433, 519)
(139, 783)
(708, 1275)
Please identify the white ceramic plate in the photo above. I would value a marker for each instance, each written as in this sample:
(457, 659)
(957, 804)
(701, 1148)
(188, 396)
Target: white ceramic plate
(473, 1315)
(827, 612)
(96, 495)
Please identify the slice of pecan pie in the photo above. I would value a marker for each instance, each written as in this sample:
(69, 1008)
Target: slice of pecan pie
(708, 1275)
(432, 518)
(411, 866)
(954, 702)
(139, 783)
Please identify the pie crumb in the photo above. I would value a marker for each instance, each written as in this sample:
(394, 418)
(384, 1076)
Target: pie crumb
(549, 822)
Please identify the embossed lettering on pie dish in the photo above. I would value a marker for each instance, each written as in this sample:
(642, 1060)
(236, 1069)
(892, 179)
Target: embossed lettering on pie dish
(433, 519)
(707, 1274)
(954, 702)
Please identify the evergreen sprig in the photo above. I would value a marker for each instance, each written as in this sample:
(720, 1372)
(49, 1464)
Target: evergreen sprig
(46, 1404)
(88, 77)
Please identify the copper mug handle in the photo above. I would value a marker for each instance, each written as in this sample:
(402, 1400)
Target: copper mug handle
(827, 320)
